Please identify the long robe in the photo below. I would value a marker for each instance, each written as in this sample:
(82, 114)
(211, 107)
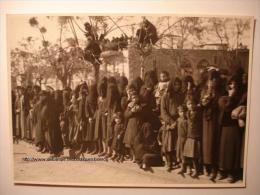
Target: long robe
(90, 110)
(73, 121)
(134, 122)
(101, 121)
(52, 131)
(23, 116)
(39, 124)
(230, 137)
(17, 117)
(82, 126)
(146, 147)
(169, 115)
(210, 130)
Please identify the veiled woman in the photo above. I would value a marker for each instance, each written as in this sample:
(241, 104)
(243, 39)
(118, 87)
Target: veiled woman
(50, 121)
(230, 133)
(112, 107)
(169, 114)
(210, 130)
(91, 107)
(101, 119)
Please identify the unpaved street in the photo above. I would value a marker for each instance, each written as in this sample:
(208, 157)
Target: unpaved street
(92, 173)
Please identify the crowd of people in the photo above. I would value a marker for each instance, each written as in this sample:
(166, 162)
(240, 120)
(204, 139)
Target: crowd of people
(196, 128)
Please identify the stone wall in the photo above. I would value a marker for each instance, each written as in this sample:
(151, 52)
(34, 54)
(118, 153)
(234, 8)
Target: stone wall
(177, 61)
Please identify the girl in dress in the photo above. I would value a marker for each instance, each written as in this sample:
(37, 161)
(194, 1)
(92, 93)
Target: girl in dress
(192, 147)
(182, 126)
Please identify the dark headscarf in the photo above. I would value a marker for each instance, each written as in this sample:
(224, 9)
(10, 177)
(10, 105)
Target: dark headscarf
(93, 94)
(66, 95)
(171, 89)
(137, 84)
(102, 88)
(111, 80)
(122, 83)
(112, 95)
(150, 79)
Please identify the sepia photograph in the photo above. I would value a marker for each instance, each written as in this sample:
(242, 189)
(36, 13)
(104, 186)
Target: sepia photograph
(138, 100)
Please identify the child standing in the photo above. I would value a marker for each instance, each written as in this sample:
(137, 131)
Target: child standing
(117, 143)
(182, 126)
(192, 147)
(133, 116)
(161, 88)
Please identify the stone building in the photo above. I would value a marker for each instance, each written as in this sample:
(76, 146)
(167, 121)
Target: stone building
(180, 62)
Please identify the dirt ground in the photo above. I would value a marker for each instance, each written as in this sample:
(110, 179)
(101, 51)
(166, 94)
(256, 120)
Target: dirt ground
(93, 172)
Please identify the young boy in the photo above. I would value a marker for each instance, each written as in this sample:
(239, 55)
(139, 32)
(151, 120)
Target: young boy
(117, 143)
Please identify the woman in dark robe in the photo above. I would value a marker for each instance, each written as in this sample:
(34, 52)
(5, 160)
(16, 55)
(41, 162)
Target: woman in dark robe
(148, 100)
(17, 108)
(210, 131)
(91, 107)
(243, 102)
(23, 112)
(239, 113)
(169, 114)
(133, 116)
(81, 135)
(39, 120)
(122, 84)
(101, 119)
(122, 88)
(112, 107)
(13, 117)
(147, 149)
(230, 134)
(28, 96)
(73, 118)
(33, 111)
(64, 116)
(52, 132)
